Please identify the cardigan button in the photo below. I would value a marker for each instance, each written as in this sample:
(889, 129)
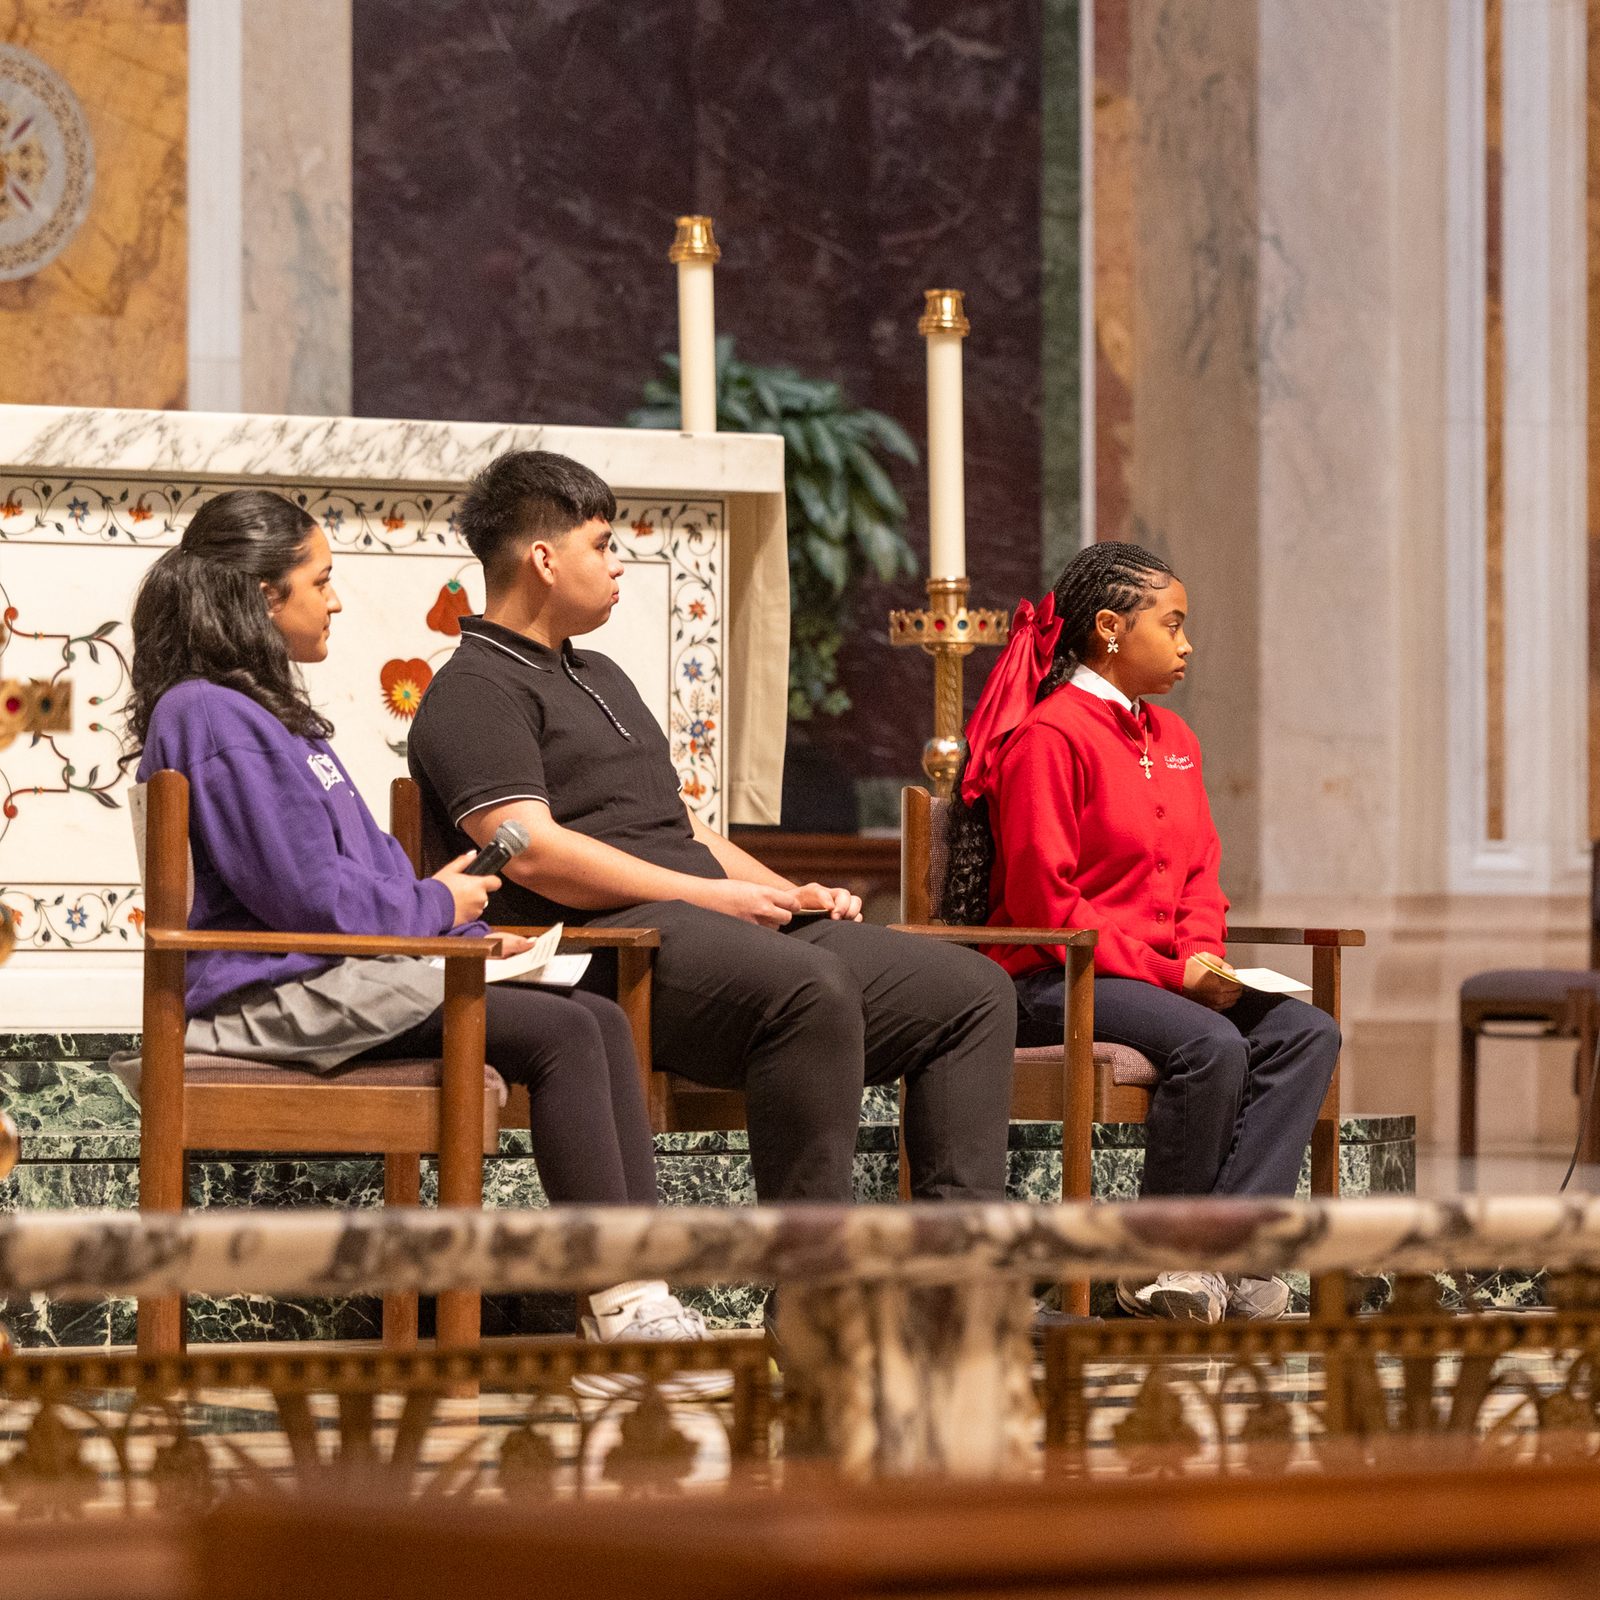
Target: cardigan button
(1161, 866)
(1161, 916)
(1161, 811)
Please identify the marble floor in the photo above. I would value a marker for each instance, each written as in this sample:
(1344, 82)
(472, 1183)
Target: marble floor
(134, 1458)
(137, 1456)
(1441, 1172)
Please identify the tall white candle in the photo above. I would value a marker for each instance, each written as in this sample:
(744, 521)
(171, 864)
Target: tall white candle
(944, 325)
(695, 252)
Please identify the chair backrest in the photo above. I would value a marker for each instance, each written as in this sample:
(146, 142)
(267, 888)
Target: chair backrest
(1594, 905)
(924, 854)
(405, 823)
(405, 819)
(160, 811)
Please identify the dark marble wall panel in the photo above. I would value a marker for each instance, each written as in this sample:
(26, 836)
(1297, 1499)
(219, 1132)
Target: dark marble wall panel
(956, 115)
(517, 168)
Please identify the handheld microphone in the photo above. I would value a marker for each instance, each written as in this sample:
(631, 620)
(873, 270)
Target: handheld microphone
(510, 839)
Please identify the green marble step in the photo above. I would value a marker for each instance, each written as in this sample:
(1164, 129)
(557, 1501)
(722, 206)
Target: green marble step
(80, 1131)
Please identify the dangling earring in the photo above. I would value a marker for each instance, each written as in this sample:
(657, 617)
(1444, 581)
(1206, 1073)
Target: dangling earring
(1111, 645)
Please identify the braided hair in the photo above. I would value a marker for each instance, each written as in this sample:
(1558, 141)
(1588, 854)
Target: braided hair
(1101, 577)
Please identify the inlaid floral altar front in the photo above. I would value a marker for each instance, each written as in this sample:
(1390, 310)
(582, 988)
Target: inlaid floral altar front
(89, 498)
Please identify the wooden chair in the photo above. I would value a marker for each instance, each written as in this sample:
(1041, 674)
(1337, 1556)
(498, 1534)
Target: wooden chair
(676, 1104)
(1557, 1003)
(1084, 1080)
(401, 1109)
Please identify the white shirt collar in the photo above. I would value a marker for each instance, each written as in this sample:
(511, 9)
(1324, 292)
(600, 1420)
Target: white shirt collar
(1090, 681)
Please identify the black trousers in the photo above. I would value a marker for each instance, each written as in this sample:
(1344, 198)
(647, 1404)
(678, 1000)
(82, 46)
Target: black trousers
(801, 1019)
(574, 1051)
(1239, 1090)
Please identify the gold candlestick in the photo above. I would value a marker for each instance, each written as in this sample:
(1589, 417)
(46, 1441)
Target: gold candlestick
(948, 632)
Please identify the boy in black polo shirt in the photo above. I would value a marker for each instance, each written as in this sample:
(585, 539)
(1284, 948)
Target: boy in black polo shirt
(519, 724)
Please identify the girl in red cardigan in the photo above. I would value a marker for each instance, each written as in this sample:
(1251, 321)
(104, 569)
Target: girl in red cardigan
(1081, 805)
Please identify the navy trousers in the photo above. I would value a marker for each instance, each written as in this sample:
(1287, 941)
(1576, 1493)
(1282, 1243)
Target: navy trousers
(1239, 1090)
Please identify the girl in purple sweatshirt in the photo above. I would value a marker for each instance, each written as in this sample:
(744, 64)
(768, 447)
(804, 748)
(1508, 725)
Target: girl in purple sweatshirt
(283, 842)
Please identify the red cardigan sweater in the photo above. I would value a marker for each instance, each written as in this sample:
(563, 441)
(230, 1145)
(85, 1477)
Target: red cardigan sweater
(1084, 840)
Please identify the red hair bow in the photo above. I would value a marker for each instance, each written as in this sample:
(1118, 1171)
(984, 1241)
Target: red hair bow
(1009, 694)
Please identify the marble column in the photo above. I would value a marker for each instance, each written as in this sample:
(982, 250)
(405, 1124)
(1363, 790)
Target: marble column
(1334, 613)
(270, 234)
(1196, 364)
(1288, 450)
(296, 245)
(1312, 199)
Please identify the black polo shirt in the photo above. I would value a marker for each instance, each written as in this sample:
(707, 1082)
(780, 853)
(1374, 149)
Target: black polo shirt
(508, 719)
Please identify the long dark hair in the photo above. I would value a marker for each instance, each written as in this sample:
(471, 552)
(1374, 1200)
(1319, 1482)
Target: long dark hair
(1102, 577)
(201, 611)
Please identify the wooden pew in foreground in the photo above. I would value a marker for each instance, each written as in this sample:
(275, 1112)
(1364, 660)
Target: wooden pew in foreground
(1518, 1534)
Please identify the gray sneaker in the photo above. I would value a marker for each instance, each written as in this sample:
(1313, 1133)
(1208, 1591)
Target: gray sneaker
(1258, 1299)
(646, 1311)
(1182, 1296)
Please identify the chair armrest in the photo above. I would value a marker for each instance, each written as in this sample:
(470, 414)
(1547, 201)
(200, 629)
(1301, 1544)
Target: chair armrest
(595, 938)
(1340, 938)
(1078, 938)
(316, 944)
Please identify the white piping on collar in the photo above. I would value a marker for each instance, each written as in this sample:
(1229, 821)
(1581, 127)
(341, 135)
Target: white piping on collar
(569, 659)
(516, 655)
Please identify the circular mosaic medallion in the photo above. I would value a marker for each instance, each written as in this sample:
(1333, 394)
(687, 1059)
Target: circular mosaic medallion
(46, 164)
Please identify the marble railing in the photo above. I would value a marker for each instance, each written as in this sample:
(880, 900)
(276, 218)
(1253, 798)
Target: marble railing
(397, 1248)
(906, 1330)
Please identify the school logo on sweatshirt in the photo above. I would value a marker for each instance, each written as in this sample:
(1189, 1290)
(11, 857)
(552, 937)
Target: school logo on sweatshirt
(1180, 764)
(326, 769)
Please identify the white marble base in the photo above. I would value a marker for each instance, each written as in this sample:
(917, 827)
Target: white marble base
(887, 1378)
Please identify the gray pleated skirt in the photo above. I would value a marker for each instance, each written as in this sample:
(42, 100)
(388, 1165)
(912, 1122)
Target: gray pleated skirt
(321, 1022)
(316, 1023)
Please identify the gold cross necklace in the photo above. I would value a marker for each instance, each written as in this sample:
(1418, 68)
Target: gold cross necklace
(1144, 758)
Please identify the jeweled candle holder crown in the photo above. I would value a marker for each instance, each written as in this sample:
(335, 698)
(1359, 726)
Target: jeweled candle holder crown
(949, 631)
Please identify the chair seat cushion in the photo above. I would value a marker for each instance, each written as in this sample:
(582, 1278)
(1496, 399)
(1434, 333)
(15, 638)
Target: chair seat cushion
(237, 1071)
(1528, 986)
(1127, 1066)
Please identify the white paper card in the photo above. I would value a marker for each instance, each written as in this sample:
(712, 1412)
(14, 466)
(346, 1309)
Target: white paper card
(539, 963)
(1270, 982)
(562, 972)
(530, 963)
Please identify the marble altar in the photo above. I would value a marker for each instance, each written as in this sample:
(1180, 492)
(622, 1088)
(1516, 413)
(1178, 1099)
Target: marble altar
(89, 497)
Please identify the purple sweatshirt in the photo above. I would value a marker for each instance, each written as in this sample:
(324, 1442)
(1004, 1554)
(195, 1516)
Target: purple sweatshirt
(281, 840)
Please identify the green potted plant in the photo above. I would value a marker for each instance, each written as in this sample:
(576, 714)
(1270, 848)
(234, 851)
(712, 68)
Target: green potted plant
(846, 518)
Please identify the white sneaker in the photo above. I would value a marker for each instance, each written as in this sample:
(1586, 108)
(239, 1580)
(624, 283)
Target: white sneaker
(646, 1310)
(1258, 1299)
(1182, 1296)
